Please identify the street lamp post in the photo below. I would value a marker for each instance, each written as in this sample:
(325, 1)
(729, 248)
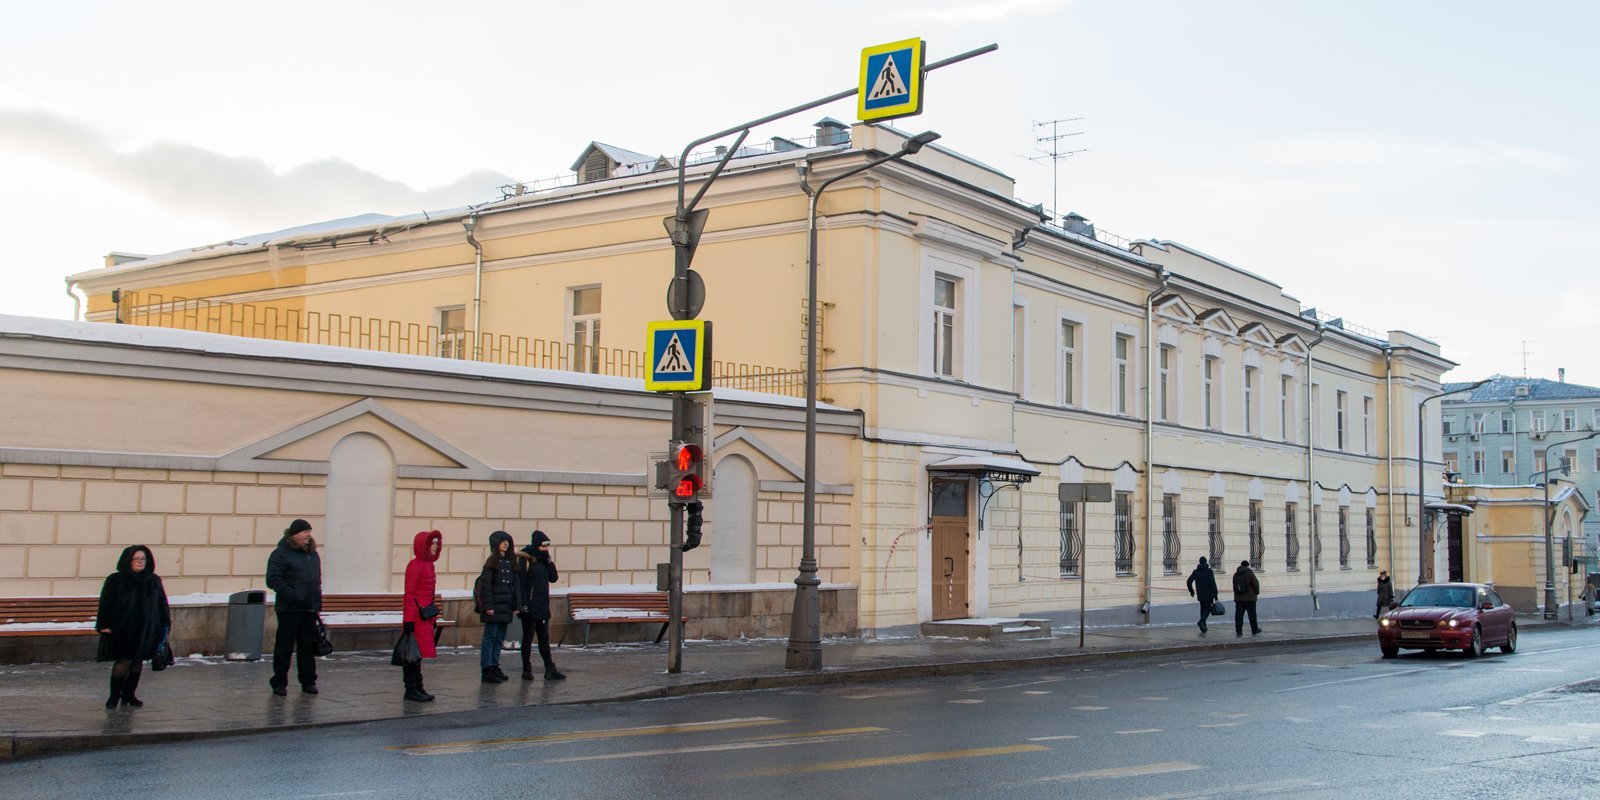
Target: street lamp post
(805, 622)
(1422, 500)
(1549, 539)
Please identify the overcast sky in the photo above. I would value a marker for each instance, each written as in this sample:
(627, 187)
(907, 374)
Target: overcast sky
(1428, 166)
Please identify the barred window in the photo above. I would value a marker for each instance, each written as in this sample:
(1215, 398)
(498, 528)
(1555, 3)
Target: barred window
(1214, 530)
(1316, 538)
(1291, 539)
(1258, 544)
(1171, 547)
(1372, 538)
(1124, 510)
(1071, 539)
(1344, 538)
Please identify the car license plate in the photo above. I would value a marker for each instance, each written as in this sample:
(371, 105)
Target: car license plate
(1414, 635)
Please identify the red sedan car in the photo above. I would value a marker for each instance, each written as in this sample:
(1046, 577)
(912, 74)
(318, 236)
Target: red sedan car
(1449, 616)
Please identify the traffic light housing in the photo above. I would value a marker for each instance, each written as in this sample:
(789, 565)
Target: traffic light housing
(691, 530)
(686, 463)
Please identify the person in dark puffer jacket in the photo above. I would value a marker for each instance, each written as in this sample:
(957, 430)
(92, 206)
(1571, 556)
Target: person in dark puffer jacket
(294, 574)
(538, 572)
(498, 595)
(133, 619)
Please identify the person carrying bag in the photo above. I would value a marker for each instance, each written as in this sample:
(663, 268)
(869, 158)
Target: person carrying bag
(419, 614)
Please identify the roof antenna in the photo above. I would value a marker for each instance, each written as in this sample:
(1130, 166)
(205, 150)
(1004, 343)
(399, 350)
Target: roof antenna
(1055, 154)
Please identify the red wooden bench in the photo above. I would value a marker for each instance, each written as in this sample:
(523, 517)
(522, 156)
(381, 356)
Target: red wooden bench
(618, 608)
(47, 612)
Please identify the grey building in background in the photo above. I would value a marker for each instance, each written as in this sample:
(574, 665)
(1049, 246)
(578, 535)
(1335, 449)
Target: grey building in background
(1498, 434)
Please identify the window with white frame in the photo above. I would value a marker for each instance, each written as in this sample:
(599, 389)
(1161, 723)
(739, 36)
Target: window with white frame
(1209, 386)
(1508, 422)
(1569, 459)
(1067, 359)
(1449, 424)
(1595, 426)
(1536, 421)
(1597, 459)
(1477, 422)
(1452, 462)
(1569, 419)
(1164, 399)
(1366, 426)
(452, 332)
(1508, 461)
(1250, 381)
(944, 326)
(586, 328)
(1119, 386)
(1341, 401)
(1286, 421)
(1538, 464)
(1478, 460)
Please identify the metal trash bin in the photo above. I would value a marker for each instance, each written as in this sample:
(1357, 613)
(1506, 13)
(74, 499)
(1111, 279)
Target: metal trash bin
(247, 619)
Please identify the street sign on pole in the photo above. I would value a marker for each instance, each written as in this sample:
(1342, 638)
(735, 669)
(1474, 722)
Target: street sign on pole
(680, 356)
(697, 296)
(891, 81)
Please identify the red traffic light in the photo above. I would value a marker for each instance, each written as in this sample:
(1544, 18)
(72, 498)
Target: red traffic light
(687, 462)
(686, 458)
(686, 487)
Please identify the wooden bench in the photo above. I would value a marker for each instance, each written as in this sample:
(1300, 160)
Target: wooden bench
(51, 615)
(372, 603)
(619, 608)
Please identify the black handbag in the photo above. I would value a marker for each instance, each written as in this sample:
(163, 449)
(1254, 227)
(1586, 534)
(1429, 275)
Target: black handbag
(324, 644)
(163, 657)
(406, 651)
(1218, 609)
(428, 611)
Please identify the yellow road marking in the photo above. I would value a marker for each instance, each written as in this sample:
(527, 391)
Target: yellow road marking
(450, 748)
(1119, 772)
(783, 740)
(913, 758)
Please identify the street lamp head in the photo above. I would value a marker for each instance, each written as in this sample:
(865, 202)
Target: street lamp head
(917, 142)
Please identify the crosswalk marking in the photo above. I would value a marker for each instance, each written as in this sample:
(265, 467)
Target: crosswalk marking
(1464, 734)
(911, 758)
(1221, 725)
(1140, 730)
(1118, 772)
(1090, 708)
(1050, 738)
(453, 748)
(782, 740)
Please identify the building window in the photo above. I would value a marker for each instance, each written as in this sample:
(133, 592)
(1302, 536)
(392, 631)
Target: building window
(1538, 465)
(1209, 386)
(1214, 530)
(1569, 459)
(1286, 423)
(453, 332)
(1344, 537)
(1258, 544)
(1372, 537)
(1597, 459)
(1536, 422)
(1119, 387)
(596, 167)
(1449, 425)
(1171, 547)
(1291, 539)
(1340, 401)
(1165, 403)
(1477, 423)
(1478, 459)
(1316, 538)
(1452, 462)
(1068, 359)
(1508, 462)
(1249, 399)
(944, 327)
(1508, 422)
(586, 329)
(1366, 426)
(1569, 420)
(1071, 540)
(1124, 512)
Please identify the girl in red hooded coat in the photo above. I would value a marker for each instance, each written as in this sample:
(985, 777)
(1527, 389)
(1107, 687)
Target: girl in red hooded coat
(420, 585)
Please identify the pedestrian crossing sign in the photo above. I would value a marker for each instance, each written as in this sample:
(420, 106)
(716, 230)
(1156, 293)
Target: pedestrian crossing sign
(891, 81)
(680, 356)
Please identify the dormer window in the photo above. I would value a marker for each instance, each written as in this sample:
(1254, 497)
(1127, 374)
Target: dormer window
(596, 167)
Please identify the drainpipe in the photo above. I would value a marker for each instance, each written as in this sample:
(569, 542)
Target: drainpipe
(1388, 427)
(470, 223)
(77, 304)
(1149, 432)
(1311, 466)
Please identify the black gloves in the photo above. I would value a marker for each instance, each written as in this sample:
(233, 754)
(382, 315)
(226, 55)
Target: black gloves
(411, 627)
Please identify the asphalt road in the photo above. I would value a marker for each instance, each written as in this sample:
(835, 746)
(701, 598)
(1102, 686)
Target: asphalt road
(1299, 721)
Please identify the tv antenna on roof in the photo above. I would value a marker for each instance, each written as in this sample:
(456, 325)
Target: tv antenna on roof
(1055, 153)
(1525, 353)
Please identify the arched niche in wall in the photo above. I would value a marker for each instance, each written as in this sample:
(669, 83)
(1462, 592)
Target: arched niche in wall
(356, 539)
(733, 522)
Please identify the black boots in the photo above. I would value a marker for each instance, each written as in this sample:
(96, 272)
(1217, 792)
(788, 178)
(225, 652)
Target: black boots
(128, 687)
(551, 673)
(527, 671)
(116, 691)
(414, 690)
(493, 675)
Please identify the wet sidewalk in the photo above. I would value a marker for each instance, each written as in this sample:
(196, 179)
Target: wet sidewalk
(58, 707)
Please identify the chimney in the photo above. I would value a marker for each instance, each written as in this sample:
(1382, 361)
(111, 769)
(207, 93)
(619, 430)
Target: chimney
(1075, 223)
(1561, 374)
(831, 132)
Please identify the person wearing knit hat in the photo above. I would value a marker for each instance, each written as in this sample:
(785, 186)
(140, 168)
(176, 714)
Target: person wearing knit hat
(538, 572)
(294, 574)
(497, 594)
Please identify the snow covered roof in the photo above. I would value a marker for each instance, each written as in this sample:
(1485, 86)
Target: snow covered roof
(1504, 388)
(984, 463)
(617, 155)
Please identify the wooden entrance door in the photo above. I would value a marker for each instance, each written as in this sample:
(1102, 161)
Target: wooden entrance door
(951, 550)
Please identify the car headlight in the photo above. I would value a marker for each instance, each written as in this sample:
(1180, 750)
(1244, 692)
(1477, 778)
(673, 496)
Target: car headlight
(1384, 623)
(1453, 623)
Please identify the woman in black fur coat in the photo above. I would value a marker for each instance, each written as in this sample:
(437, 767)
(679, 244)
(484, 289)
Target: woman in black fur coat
(133, 620)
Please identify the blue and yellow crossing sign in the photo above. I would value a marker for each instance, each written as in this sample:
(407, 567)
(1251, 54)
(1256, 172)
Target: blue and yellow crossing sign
(891, 81)
(680, 356)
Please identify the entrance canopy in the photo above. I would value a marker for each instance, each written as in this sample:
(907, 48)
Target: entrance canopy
(993, 468)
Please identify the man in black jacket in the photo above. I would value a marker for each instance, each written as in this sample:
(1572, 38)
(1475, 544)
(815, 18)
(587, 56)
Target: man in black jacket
(1202, 585)
(294, 574)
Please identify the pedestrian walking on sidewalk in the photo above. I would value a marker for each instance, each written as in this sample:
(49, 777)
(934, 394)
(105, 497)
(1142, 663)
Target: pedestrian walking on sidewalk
(1245, 591)
(538, 572)
(498, 594)
(1202, 585)
(1385, 593)
(421, 583)
(294, 574)
(133, 621)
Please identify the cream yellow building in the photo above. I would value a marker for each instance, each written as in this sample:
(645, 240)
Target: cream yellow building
(1500, 537)
(978, 345)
